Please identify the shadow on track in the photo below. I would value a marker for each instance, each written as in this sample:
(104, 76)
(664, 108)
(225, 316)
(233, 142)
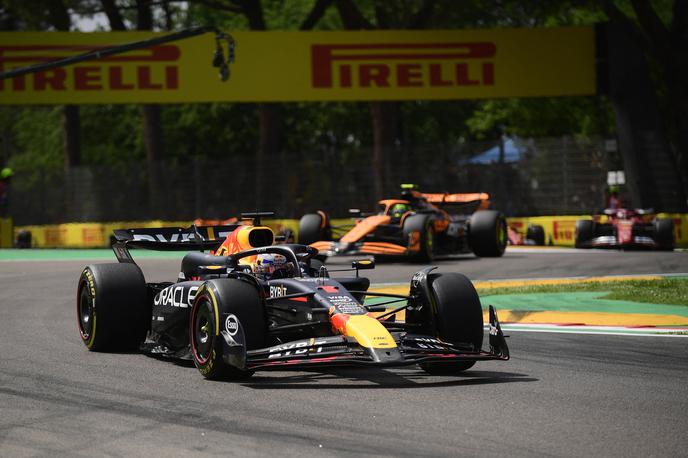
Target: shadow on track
(368, 378)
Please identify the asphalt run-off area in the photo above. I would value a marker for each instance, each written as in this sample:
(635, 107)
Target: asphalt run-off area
(597, 377)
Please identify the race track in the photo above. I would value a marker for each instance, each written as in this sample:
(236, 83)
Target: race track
(560, 395)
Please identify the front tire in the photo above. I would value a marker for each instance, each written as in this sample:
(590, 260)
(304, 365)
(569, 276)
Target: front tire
(536, 233)
(487, 234)
(421, 225)
(231, 305)
(585, 232)
(664, 234)
(113, 313)
(458, 318)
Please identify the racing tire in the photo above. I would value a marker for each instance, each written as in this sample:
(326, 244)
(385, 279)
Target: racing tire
(113, 311)
(217, 304)
(585, 232)
(536, 233)
(487, 234)
(314, 227)
(421, 224)
(458, 318)
(664, 234)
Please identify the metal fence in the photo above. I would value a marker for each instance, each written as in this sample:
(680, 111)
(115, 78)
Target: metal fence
(524, 177)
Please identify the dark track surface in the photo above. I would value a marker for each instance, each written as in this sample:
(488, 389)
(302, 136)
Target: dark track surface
(560, 395)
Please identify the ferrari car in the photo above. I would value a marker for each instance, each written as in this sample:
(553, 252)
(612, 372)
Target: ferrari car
(625, 228)
(534, 235)
(418, 226)
(248, 305)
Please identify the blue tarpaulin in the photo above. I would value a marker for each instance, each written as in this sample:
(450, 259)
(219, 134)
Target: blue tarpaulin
(512, 153)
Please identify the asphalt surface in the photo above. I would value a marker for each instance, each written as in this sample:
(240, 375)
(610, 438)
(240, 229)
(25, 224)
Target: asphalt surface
(560, 395)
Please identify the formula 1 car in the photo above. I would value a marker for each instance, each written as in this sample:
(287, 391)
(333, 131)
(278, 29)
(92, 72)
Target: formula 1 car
(625, 228)
(233, 317)
(534, 235)
(418, 226)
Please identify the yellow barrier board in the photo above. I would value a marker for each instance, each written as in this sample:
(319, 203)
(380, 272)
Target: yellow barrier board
(306, 66)
(561, 230)
(6, 233)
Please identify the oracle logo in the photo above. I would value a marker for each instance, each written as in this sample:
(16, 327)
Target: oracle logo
(403, 65)
(107, 73)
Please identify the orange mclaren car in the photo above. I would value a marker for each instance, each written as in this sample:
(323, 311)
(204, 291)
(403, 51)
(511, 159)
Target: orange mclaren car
(415, 225)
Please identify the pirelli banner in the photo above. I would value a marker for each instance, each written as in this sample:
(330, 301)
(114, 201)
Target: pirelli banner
(306, 66)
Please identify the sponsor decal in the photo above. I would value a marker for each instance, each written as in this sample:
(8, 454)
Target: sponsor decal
(91, 285)
(346, 304)
(232, 325)
(417, 278)
(278, 291)
(176, 237)
(563, 230)
(297, 348)
(107, 73)
(429, 343)
(403, 65)
(176, 296)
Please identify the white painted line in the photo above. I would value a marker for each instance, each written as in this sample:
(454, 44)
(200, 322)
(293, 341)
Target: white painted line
(598, 330)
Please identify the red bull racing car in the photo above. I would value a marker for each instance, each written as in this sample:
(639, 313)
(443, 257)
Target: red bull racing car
(249, 305)
(625, 228)
(418, 226)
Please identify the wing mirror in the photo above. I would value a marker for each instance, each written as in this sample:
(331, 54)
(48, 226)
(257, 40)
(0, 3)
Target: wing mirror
(363, 264)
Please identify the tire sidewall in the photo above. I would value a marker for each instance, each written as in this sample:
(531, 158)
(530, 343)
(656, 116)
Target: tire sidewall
(227, 298)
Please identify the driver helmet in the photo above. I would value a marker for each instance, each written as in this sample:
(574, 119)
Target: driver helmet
(398, 210)
(270, 266)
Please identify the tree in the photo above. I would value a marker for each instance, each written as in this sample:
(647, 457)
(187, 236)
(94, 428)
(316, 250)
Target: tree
(270, 116)
(662, 29)
(385, 115)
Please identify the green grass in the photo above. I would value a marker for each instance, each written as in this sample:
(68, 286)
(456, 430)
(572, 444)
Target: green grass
(665, 291)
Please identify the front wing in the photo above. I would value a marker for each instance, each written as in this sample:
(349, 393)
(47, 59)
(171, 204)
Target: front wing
(612, 241)
(345, 351)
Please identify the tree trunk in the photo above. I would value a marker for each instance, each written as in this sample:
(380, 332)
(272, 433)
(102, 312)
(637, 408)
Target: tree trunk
(71, 124)
(385, 138)
(153, 138)
(268, 147)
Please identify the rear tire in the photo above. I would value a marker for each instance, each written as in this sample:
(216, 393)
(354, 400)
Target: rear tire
(585, 231)
(113, 312)
(459, 318)
(664, 234)
(314, 227)
(487, 235)
(536, 233)
(217, 303)
(421, 224)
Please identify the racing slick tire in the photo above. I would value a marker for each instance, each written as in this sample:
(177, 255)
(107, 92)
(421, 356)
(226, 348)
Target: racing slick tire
(240, 303)
(487, 234)
(459, 318)
(585, 231)
(314, 227)
(536, 233)
(664, 234)
(113, 311)
(421, 224)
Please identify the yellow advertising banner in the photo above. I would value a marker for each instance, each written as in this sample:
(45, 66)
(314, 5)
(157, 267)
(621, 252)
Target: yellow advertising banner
(305, 66)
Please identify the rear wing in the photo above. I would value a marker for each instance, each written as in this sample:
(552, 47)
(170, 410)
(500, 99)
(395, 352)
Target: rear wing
(479, 199)
(169, 239)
